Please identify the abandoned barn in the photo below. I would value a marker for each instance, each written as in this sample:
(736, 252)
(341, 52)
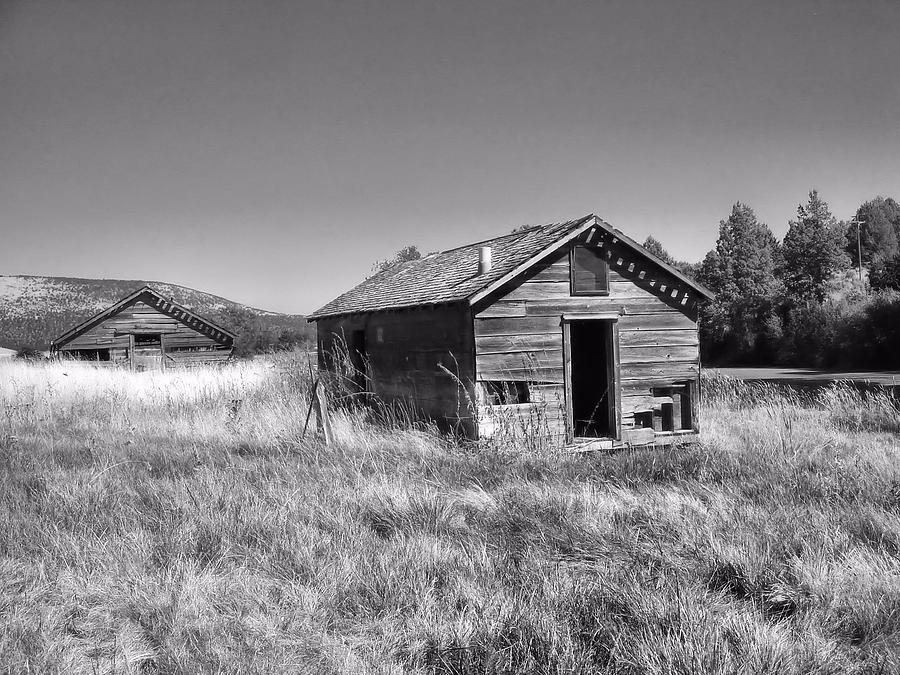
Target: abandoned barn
(571, 331)
(145, 331)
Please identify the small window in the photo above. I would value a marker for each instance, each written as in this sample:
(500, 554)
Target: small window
(590, 272)
(146, 339)
(502, 392)
(92, 354)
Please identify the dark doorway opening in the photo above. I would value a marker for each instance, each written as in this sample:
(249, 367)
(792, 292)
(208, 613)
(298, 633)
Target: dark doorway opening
(147, 340)
(593, 405)
(358, 359)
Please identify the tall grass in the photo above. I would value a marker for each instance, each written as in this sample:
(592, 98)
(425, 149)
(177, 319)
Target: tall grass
(181, 522)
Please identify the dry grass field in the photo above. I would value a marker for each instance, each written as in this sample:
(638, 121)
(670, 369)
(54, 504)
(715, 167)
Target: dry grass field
(178, 523)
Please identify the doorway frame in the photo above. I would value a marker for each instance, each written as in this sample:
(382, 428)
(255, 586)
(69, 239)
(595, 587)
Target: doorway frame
(612, 371)
(132, 344)
(358, 351)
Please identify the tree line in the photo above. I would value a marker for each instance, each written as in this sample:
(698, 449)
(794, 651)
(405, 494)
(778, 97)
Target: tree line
(800, 301)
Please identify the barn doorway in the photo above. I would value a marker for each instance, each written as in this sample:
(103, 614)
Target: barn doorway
(147, 353)
(592, 383)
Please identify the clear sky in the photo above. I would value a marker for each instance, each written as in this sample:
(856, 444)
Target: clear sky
(270, 151)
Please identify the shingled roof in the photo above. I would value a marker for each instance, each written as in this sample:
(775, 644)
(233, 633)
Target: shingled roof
(452, 276)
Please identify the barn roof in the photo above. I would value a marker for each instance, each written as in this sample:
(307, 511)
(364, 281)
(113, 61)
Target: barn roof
(155, 299)
(452, 276)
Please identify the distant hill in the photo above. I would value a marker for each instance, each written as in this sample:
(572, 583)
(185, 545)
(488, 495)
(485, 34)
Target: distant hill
(34, 310)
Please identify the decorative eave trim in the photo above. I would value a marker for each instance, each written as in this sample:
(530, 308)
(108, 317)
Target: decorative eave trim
(616, 235)
(698, 287)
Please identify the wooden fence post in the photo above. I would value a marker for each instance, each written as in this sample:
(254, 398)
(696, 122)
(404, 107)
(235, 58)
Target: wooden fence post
(322, 421)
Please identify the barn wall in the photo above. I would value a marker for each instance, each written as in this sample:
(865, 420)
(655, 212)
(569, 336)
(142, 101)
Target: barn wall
(519, 335)
(405, 351)
(114, 334)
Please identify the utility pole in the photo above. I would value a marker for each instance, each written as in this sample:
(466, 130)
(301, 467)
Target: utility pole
(859, 223)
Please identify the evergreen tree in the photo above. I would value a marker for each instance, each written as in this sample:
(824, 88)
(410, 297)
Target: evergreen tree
(884, 274)
(740, 323)
(813, 251)
(246, 329)
(405, 254)
(879, 234)
(656, 248)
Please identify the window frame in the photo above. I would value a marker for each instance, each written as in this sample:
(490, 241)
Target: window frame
(147, 339)
(572, 286)
(501, 390)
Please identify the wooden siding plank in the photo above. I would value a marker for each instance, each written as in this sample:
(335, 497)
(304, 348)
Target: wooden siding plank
(504, 308)
(537, 325)
(534, 325)
(566, 305)
(653, 353)
(546, 375)
(667, 373)
(659, 338)
(507, 344)
(632, 322)
(559, 290)
(517, 361)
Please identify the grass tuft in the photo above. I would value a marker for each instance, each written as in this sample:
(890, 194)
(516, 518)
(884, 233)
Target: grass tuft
(182, 522)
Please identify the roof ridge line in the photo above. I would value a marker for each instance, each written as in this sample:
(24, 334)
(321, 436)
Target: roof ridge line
(484, 241)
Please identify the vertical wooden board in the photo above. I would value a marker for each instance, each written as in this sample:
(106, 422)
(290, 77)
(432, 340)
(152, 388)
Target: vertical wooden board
(667, 413)
(694, 408)
(677, 419)
(617, 384)
(567, 373)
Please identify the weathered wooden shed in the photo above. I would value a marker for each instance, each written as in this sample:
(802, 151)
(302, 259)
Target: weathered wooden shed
(570, 330)
(143, 331)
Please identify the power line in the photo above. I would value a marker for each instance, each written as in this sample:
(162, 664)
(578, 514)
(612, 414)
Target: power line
(859, 223)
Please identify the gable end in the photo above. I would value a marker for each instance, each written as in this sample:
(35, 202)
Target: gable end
(153, 299)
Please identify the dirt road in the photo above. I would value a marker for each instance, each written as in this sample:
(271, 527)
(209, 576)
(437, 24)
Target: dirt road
(812, 378)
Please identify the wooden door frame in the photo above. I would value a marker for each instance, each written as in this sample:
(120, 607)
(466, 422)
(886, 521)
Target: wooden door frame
(162, 346)
(614, 383)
